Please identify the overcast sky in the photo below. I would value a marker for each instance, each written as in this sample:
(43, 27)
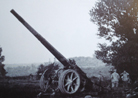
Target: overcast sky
(64, 23)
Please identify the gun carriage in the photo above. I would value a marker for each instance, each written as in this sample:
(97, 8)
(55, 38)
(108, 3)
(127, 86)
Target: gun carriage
(71, 79)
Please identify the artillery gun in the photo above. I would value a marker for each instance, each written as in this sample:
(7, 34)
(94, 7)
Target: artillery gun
(72, 79)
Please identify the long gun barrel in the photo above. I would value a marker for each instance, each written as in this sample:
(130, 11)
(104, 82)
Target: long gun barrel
(47, 45)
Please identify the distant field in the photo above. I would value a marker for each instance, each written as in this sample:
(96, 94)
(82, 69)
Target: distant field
(94, 71)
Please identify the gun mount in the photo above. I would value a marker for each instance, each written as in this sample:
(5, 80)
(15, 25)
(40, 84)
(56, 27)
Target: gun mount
(72, 78)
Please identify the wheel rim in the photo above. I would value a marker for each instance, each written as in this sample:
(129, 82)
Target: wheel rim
(43, 81)
(71, 82)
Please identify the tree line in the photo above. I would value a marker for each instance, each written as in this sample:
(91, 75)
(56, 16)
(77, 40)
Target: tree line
(117, 22)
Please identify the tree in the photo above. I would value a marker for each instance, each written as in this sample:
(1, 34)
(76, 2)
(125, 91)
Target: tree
(2, 70)
(117, 22)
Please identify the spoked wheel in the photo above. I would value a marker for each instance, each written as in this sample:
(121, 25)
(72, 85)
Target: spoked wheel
(69, 82)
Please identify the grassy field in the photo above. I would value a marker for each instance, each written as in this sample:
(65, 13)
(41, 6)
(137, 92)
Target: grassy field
(17, 88)
(24, 88)
(14, 88)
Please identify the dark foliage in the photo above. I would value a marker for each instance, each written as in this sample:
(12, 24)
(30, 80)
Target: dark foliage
(2, 70)
(118, 23)
(42, 68)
